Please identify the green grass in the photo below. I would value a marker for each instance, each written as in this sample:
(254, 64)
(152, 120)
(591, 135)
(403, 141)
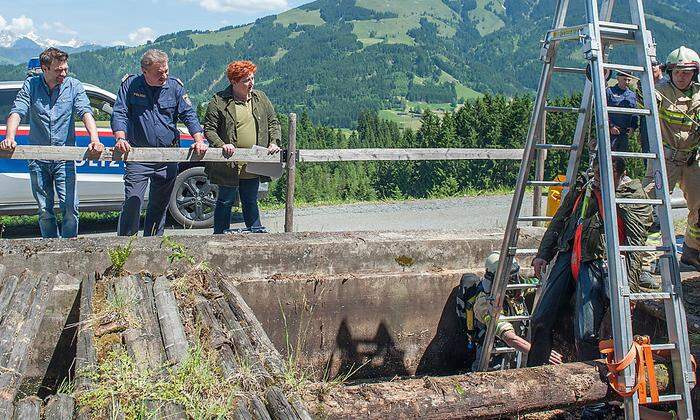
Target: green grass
(404, 119)
(486, 21)
(220, 37)
(463, 92)
(281, 52)
(391, 31)
(300, 17)
(669, 23)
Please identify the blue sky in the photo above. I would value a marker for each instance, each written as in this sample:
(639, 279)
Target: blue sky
(111, 22)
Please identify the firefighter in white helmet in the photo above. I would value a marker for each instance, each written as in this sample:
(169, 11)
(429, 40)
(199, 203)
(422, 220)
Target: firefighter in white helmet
(473, 312)
(678, 97)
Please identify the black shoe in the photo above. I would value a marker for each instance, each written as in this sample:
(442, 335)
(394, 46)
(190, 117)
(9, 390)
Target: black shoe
(648, 281)
(596, 411)
(691, 257)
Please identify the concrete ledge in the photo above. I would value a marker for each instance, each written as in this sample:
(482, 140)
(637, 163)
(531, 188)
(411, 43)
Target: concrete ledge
(268, 254)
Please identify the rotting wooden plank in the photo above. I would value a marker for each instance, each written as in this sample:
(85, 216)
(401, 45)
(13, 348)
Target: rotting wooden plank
(174, 338)
(2, 275)
(347, 155)
(28, 408)
(217, 340)
(86, 354)
(241, 412)
(16, 311)
(278, 403)
(59, 407)
(255, 330)
(258, 409)
(137, 154)
(15, 356)
(474, 395)
(8, 289)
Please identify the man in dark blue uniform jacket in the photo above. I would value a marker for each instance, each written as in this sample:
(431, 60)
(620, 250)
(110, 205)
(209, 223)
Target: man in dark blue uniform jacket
(146, 113)
(621, 125)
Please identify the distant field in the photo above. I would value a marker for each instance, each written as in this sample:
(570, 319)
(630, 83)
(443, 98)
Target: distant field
(300, 17)
(220, 37)
(403, 119)
(488, 21)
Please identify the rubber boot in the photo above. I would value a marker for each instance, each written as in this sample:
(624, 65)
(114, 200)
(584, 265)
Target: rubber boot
(597, 411)
(691, 257)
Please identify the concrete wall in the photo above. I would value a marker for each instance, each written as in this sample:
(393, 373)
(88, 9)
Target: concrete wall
(379, 302)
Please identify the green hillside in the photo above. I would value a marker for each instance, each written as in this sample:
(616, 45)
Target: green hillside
(335, 58)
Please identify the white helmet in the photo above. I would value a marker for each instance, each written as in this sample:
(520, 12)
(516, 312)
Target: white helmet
(491, 264)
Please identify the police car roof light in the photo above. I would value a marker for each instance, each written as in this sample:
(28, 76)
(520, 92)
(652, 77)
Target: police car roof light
(33, 67)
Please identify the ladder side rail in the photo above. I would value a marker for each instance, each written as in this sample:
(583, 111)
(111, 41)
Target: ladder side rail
(501, 278)
(675, 312)
(621, 324)
(541, 154)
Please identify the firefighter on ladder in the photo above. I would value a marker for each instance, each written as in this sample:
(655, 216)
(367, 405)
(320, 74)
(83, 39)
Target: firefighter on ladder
(576, 237)
(678, 97)
(473, 313)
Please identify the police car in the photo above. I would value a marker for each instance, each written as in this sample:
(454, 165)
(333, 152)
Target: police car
(100, 184)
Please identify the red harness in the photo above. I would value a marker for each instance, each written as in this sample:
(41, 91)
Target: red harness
(576, 251)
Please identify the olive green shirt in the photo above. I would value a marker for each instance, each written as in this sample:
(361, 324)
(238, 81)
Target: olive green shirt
(246, 133)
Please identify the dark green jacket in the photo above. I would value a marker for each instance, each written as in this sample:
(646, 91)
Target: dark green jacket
(635, 217)
(220, 129)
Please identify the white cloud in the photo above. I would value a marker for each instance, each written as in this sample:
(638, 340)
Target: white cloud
(20, 25)
(3, 23)
(58, 27)
(141, 36)
(243, 5)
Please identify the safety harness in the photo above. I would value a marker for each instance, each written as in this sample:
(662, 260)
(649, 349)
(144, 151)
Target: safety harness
(576, 254)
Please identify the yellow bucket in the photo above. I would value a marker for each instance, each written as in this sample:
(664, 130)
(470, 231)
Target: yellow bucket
(554, 196)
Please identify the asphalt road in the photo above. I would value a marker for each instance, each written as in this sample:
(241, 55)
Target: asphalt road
(485, 214)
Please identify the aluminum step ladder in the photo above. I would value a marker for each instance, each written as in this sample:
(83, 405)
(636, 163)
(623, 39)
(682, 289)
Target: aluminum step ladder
(595, 36)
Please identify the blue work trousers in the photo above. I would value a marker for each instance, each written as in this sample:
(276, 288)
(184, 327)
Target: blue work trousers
(590, 306)
(248, 191)
(136, 178)
(620, 142)
(45, 176)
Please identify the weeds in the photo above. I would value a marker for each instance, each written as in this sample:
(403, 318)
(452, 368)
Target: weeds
(178, 251)
(196, 384)
(119, 255)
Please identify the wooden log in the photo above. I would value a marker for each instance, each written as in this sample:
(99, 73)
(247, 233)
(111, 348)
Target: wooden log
(261, 342)
(258, 409)
(86, 355)
(8, 289)
(2, 274)
(16, 310)
(137, 154)
(291, 174)
(28, 408)
(475, 395)
(171, 327)
(216, 337)
(59, 407)
(241, 343)
(280, 407)
(23, 332)
(348, 155)
(241, 412)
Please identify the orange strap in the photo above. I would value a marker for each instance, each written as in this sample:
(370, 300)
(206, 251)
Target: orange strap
(641, 355)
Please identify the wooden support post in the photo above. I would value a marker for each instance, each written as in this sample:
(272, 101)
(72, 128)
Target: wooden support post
(291, 174)
(85, 355)
(171, 327)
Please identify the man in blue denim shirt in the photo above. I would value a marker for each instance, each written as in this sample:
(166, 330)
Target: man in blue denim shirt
(51, 100)
(146, 113)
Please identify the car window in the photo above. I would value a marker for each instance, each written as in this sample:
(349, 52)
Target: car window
(7, 98)
(101, 110)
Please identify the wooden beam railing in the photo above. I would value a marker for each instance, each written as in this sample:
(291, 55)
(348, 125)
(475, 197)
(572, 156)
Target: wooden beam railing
(290, 157)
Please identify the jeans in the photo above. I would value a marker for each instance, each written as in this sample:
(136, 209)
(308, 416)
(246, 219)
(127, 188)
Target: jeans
(590, 305)
(136, 179)
(248, 191)
(61, 175)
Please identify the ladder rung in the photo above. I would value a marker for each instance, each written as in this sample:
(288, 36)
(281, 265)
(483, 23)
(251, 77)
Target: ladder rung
(633, 155)
(534, 219)
(526, 251)
(564, 109)
(575, 70)
(643, 248)
(666, 346)
(521, 286)
(548, 183)
(512, 318)
(667, 398)
(503, 350)
(628, 111)
(623, 67)
(650, 296)
(649, 201)
(547, 146)
(616, 25)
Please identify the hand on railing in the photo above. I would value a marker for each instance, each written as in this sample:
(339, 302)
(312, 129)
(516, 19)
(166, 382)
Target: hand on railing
(228, 150)
(122, 146)
(95, 149)
(8, 144)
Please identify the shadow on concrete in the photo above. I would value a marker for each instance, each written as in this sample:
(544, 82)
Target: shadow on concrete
(368, 358)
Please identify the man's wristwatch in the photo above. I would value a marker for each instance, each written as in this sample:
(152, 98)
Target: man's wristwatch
(119, 139)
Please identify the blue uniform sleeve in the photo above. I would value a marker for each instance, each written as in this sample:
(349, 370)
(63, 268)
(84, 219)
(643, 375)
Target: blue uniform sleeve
(186, 113)
(81, 103)
(634, 121)
(120, 111)
(21, 104)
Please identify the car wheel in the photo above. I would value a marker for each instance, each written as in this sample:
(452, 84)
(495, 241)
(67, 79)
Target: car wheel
(193, 199)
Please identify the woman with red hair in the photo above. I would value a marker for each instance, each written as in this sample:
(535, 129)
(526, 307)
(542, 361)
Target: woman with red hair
(239, 116)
